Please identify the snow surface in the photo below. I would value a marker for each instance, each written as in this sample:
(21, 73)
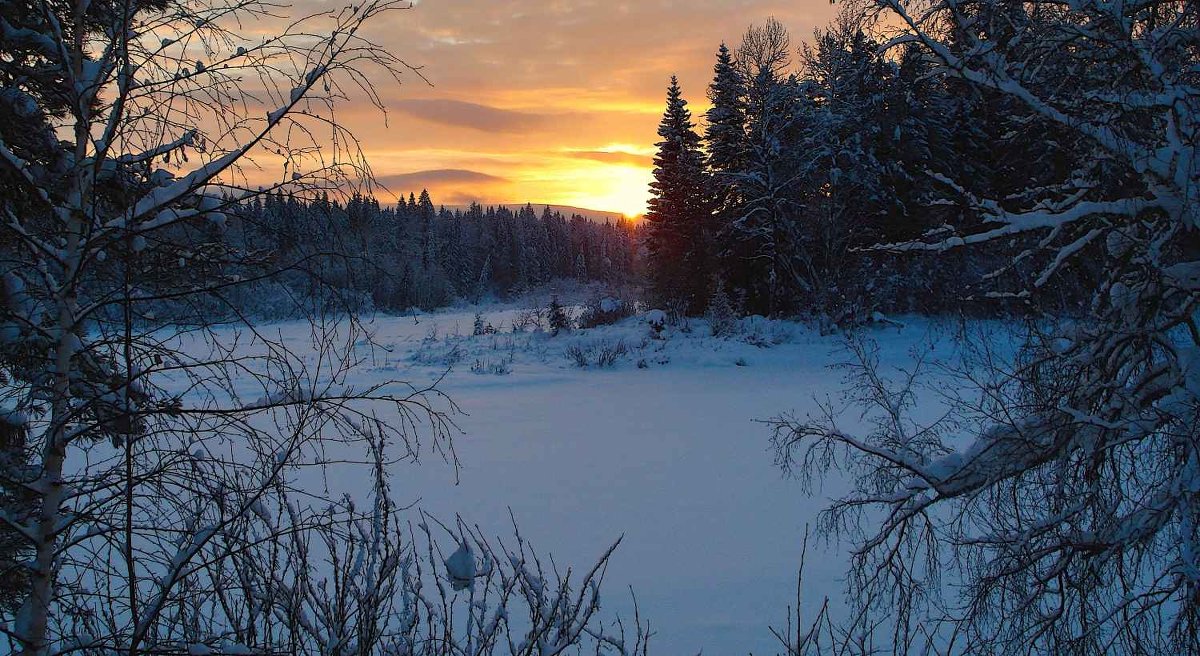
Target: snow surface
(664, 448)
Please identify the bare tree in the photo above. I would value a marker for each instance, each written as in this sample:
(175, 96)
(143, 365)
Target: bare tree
(765, 50)
(1054, 510)
(168, 462)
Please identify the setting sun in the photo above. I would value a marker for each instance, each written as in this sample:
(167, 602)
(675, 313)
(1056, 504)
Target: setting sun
(559, 107)
(623, 189)
(618, 177)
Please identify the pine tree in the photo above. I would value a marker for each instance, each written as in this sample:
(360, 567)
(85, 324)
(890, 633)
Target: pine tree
(425, 216)
(678, 216)
(581, 269)
(722, 315)
(559, 320)
(725, 138)
(14, 463)
(848, 135)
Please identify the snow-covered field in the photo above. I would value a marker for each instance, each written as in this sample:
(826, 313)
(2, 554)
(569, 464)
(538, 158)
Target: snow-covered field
(663, 448)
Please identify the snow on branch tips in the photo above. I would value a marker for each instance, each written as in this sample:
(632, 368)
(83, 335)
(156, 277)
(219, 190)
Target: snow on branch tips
(1059, 486)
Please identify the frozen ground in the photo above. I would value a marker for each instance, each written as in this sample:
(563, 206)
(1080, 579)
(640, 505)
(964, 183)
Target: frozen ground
(669, 456)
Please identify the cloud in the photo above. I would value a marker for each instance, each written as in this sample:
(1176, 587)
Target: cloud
(459, 198)
(457, 113)
(614, 157)
(449, 186)
(537, 89)
(438, 178)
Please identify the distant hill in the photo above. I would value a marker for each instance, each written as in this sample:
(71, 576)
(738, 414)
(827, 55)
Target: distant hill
(599, 216)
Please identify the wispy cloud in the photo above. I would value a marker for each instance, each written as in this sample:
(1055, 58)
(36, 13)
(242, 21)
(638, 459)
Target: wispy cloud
(530, 92)
(613, 157)
(473, 116)
(449, 186)
(438, 177)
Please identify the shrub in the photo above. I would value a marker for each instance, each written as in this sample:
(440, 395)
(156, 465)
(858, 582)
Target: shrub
(607, 355)
(657, 320)
(527, 320)
(602, 355)
(604, 311)
(491, 367)
(579, 354)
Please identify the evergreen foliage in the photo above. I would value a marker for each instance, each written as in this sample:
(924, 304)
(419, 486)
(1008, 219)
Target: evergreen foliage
(678, 222)
(811, 164)
(1054, 145)
(558, 318)
(413, 255)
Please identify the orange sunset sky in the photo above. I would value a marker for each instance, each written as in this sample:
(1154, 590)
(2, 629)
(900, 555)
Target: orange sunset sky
(546, 101)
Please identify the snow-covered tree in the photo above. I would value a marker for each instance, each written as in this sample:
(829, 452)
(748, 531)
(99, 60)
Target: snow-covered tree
(557, 317)
(762, 231)
(1060, 499)
(844, 142)
(14, 549)
(102, 226)
(727, 147)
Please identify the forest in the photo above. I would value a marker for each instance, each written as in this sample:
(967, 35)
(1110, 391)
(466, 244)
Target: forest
(412, 254)
(249, 406)
(817, 169)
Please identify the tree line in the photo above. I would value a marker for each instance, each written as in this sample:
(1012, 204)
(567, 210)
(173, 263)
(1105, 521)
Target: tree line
(415, 254)
(812, 160)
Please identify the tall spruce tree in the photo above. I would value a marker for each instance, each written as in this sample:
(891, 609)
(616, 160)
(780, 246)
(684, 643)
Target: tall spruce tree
(678, 219)
(727, 145)
(425, 216)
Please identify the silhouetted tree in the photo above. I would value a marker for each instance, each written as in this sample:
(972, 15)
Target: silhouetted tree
(678, 222)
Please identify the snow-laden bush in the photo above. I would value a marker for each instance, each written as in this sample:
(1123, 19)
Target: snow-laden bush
(604, 311)
(656, 322)
(763, 332)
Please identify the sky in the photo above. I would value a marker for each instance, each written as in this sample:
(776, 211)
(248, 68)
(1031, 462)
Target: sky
(546, 101)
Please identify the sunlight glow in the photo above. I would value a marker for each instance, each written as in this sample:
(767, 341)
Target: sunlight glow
(615, 188)
(621, 184)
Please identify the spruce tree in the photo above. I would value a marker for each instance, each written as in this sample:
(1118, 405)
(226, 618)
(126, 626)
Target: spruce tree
(678, 216)
(425, 216)
(725, 137)
(558, 318)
